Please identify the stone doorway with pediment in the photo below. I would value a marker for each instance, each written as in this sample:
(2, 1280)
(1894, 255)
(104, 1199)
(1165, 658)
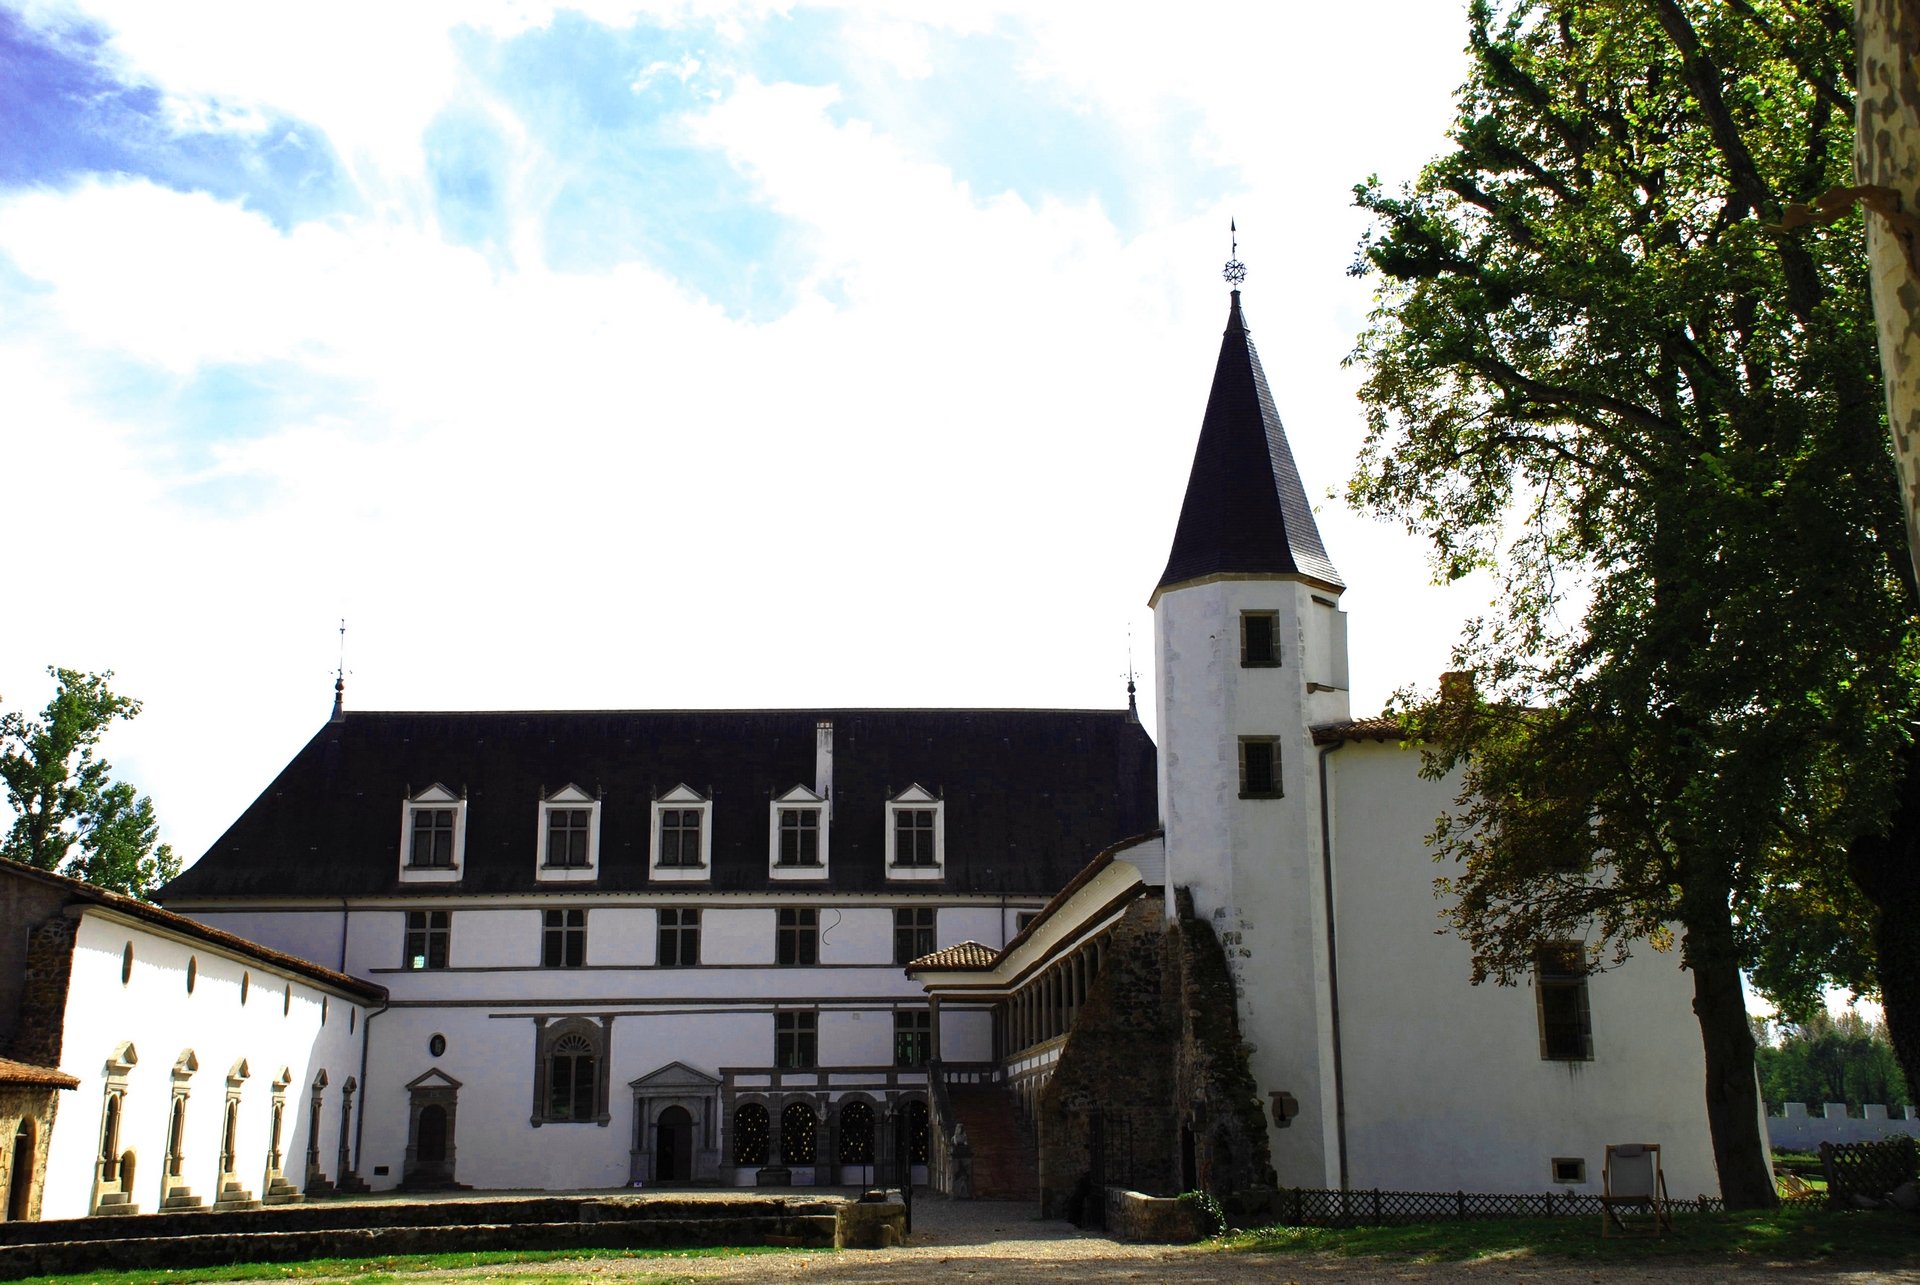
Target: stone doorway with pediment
(433, 1111)
(676, 1127)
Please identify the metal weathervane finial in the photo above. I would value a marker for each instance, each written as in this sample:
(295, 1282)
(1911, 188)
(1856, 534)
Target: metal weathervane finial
(1236, 271)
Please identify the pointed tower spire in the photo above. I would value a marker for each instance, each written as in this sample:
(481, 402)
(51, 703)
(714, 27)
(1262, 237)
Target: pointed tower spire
(1246, 512)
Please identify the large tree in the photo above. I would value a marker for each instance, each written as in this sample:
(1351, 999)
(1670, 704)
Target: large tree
(70, 815)
(1599, 365)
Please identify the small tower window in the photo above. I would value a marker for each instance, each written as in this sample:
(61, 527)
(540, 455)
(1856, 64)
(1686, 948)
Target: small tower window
(1259, 767)
(1259, 639)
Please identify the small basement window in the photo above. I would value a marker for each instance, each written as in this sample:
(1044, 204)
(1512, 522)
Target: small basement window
(1569, 1169)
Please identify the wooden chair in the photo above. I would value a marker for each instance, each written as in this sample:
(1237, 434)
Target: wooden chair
(1632, 1182)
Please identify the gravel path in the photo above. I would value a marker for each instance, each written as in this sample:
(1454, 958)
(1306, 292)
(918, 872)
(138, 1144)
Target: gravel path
(991, 1241)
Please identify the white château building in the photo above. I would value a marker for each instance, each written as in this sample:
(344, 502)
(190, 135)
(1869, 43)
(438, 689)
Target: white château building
(593, 949)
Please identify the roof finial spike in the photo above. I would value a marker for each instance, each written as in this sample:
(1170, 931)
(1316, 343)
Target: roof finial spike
(340, 678)
(1236, 271)
(1133, 707)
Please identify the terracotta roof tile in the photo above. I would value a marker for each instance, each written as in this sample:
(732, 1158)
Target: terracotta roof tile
(1381, 727)
(12, 1072)
(966, 954)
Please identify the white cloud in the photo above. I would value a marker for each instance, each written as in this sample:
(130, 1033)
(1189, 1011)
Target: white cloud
(946, 476)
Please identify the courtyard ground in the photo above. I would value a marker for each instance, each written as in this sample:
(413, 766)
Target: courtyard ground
(1005, 1243)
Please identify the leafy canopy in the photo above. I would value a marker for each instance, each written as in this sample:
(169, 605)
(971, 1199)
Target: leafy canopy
(1597, 368)
(70, 816)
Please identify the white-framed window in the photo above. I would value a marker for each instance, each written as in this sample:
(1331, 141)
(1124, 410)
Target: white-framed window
(682, 836)
(433, 836)
(916, 835)
(797, 833)
(568, 842)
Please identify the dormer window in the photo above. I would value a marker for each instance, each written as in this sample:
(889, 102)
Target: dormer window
(433, 836)
(682, 835)
(916, 835)
(569, 838)
(797, 835)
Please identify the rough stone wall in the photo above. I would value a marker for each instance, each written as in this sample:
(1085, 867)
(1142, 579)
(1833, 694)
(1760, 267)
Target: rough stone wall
(1119, 1063)
(25, 1102)
(1155, 1052)
(1213, 1082)
(43, 991)
(25, 904)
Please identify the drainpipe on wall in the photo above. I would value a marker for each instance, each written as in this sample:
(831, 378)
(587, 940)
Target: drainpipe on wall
(360, 1121)
(1333, 968)
(343, 936)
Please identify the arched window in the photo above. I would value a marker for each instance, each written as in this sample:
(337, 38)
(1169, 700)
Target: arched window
(797, 1135)
(917, 1135)
(25, 1154)
(110, 1140)
(570, 1078)
(751, 1129)
(856, 1134)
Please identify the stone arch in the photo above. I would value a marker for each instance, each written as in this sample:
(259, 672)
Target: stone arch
(174, 1192)
(22, 1169)
(570, 1072)
(856, 1123)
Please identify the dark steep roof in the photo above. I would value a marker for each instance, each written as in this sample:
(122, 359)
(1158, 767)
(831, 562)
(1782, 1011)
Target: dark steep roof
(1245, 511)
(1030, 796)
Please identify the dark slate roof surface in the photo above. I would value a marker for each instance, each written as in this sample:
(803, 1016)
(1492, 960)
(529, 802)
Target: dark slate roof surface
(1245, 510)
(1030, 796)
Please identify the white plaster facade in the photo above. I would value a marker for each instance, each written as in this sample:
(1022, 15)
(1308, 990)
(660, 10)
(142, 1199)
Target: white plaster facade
(288, 1030)
(716, 1019)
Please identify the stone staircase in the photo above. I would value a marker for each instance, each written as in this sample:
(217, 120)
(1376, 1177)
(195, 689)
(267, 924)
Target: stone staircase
(233, 1198)
(180, 1200)
(115, 1204)
(1004, 1164)
(281, 1192)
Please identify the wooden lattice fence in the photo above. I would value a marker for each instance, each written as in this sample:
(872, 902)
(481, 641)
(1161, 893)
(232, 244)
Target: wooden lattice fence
(1310, 1207)
(1867, 1171)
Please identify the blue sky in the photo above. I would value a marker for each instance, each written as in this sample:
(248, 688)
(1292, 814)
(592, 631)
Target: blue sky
(661, 354)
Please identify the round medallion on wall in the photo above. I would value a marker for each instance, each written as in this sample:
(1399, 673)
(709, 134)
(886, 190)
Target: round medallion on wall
(437, 1045)
(193, 972)
(126, 964)
(246, 986)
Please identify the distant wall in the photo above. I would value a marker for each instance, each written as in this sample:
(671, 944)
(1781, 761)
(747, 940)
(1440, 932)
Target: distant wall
(1798, 1129)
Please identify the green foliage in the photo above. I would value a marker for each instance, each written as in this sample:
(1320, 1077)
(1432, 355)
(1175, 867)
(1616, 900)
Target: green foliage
(1599, 368)
(1797, 1235)
(70, 815)
(1207, 1205)
(1832, 1059)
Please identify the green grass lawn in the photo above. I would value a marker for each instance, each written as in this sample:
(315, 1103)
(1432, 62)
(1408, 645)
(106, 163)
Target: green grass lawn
(1787, 1235)
(387, 1269)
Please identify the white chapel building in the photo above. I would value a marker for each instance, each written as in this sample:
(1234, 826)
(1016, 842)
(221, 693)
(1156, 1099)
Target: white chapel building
(589, 949)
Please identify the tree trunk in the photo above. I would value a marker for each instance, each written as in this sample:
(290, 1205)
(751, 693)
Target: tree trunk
(1886, 867)
(1733, 1091)
(1887, 154)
